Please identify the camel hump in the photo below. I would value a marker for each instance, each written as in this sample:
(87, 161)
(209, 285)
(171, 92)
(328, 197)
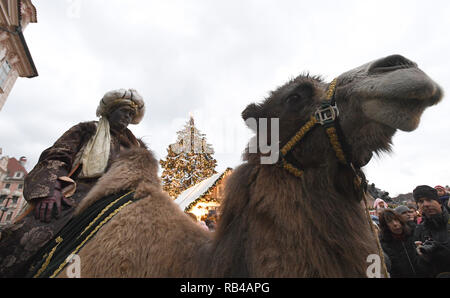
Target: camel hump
(131, 168)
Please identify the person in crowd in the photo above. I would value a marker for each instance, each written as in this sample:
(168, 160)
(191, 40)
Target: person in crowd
(397, 241)
(66, 171)
(432, 235)
(375, 222)
(211, 220)
(407, 216)
(203, 225)
(443, 196)
(413, 213)
(379, 205)
(402, 210)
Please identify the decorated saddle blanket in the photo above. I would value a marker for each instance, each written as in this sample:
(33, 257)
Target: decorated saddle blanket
(54, 256)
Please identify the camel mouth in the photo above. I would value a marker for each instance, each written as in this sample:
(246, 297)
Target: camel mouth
(402, 114)
(396, 93)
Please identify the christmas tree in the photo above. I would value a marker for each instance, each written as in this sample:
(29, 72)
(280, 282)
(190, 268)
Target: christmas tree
(189, 160)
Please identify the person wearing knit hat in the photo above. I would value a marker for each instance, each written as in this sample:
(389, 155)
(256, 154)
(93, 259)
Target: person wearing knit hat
(423, 194)
(443, 195)
(379, 205)
(67, 170)
(439, 187)
(405, 213)
(434, 231)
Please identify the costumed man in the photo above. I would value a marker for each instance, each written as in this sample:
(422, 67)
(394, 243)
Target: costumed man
(66, 172)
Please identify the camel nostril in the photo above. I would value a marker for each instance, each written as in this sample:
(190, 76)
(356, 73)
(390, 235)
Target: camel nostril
(391, 63)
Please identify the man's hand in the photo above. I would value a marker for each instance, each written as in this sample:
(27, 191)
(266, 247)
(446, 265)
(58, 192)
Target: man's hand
(428, 249)
(49, 207)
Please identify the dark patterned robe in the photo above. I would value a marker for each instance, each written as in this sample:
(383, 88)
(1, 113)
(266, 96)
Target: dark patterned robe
(21, 240)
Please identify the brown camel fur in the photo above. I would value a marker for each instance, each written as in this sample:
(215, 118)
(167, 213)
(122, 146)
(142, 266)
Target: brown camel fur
(273, 224)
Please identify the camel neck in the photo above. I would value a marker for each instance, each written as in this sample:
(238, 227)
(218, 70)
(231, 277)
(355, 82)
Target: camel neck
(293, 220)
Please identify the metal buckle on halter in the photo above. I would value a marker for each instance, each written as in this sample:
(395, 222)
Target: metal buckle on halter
(326, 114)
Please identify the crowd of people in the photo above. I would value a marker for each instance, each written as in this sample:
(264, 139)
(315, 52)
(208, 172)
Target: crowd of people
(415, 237)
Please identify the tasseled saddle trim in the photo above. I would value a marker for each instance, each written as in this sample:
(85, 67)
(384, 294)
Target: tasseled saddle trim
(53, 257)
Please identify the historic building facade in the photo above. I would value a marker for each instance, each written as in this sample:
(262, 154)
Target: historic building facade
(12, 176)
(15, 57)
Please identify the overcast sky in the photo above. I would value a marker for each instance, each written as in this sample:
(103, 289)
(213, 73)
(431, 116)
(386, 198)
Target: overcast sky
(213, 58)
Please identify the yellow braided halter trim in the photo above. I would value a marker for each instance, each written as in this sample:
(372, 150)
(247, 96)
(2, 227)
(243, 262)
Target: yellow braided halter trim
(332, 135)
(291, 169)
(307, 127)
(331, 131)
(299, 135)
(331, 89)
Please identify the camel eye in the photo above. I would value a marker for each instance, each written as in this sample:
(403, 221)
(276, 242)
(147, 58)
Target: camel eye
(293, 99)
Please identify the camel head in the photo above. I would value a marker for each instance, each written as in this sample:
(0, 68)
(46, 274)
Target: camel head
(373, 100)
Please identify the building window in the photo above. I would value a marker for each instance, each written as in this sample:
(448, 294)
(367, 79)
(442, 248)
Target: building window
(20, 186)
(5, 68)
(7, 185)
(2, 198)
(15, 199)
(8, 218)
(18, 175)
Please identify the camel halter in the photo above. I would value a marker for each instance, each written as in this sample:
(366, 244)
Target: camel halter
(327, 115)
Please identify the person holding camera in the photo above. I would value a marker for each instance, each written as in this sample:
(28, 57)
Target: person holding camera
(432, 235)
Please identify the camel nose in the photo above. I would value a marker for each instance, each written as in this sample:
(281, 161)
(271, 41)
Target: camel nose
(391, 63)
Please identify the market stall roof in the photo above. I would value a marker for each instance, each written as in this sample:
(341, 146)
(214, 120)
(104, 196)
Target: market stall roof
(196, 192)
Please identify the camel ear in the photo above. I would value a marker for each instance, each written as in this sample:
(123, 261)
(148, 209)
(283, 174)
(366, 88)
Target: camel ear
(303, 91)
(252, 111)
(306, 89)
(250, 114)
(298, 96)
